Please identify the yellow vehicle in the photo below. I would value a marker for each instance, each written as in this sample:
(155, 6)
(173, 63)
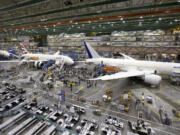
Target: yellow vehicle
(50, 74)
(126, 97)
(126, 108)
(176, 113)
(106, 98)
(123, 107)
(73, 83)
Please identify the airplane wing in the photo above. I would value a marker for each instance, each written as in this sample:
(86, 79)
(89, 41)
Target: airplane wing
(120, 75)
(15, 55)
(14, 61)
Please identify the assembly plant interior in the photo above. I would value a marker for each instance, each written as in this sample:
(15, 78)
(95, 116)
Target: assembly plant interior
(90, 67)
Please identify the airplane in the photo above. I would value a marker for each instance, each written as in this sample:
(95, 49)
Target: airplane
(6, 54)
(149, 71)
(40, 59)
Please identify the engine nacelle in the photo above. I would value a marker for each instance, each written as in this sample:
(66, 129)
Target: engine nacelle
(38, 64)
(152, 79)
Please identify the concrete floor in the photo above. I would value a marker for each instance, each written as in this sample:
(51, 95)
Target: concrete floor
(167, 94)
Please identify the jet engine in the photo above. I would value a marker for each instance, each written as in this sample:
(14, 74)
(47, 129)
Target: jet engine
(38, 64)
(152, 79)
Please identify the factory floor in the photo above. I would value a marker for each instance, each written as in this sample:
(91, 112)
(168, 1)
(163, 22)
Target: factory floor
(167, 96)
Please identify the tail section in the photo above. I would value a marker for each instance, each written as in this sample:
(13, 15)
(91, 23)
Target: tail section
(24, 49)
(91, 52)
(127, 57)
(57, 53)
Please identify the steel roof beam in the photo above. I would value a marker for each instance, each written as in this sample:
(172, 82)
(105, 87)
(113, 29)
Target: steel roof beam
(65, 9)
(21, 5)
(102, 13)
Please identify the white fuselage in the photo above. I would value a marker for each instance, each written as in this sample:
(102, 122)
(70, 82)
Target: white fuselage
(4, 53)
(45, 57)
(127, 64)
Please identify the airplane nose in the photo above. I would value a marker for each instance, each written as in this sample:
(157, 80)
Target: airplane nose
(72, 62)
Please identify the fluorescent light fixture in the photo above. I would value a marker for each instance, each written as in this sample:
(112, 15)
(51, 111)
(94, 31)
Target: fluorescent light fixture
(140, 23)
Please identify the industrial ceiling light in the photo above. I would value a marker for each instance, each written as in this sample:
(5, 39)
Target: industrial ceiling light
(42, 20)
(89, 21)
(121, 19)
(160, 19)
(112, 25)
(141, 17)
(124, 21)
(99, 11)
(157, 21)
(175, 20)
(140, 23)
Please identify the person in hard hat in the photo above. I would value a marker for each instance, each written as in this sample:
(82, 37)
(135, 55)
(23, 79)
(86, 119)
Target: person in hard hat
(142, 96)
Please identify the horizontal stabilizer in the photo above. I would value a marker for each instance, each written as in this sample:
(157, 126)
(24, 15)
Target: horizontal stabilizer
(91, 52)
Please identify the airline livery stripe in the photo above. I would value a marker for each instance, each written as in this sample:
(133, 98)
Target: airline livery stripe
(89, 54)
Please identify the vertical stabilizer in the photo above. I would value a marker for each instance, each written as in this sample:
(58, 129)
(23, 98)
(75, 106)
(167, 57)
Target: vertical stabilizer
(91, 52)
(127, 57)
(57, 53)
